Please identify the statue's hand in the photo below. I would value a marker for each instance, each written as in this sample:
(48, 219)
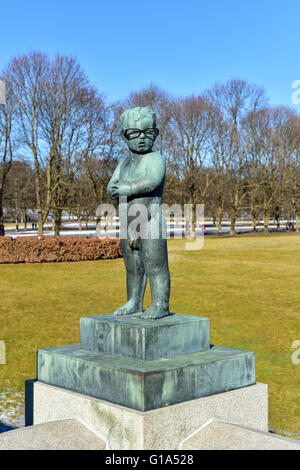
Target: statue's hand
(120, 189)
(124, 189)
(112, 189)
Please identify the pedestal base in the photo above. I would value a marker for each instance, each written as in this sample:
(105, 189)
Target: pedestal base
(164, 428)
(139, 338)
(146, 385)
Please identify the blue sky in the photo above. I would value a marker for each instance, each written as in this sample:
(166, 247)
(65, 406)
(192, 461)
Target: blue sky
(183, 46)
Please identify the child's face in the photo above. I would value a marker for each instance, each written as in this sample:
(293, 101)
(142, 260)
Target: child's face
(141, 144)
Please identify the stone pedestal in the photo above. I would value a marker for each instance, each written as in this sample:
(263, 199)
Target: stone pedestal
(147, 384)
(167, 428)
(131, 336)
(144, 364)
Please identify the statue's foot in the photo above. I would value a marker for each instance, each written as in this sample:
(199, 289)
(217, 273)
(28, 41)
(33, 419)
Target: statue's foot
(155, 311)
(129, 308)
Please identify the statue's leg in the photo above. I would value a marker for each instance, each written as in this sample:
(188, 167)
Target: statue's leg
(135, 279)
(155, 258)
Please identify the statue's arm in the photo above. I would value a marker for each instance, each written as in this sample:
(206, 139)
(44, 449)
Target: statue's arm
(154, 173)
(114, 180)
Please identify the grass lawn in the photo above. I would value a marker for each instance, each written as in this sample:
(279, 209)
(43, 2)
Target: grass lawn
(248, 285)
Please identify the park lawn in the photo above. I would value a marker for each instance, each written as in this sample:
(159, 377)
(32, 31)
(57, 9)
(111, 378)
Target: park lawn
(247, 285)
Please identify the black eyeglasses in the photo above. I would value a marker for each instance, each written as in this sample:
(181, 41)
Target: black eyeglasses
(131, 134)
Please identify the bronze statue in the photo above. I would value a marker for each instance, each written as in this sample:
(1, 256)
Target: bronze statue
(139, 179)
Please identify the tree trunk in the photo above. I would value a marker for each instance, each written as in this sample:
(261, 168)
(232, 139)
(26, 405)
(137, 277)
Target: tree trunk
(194, 218)
(189, 220)
(234, 211)
(232, 222)
(40, 223)
(17, 213)
(1, 217)
(278, 224)
(24, 217)
(98, 219)
(57, 222)
(254, 221)
(220, 219)
(277, 218)
(1, 209)
(266, 221)
(79, 220)
(297, 221)
(38, 194)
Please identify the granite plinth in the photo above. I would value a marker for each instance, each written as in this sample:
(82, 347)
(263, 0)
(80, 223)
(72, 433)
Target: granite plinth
(65, 434)
(132, 336)
(166, 428)
(229, 436)
(146, 385)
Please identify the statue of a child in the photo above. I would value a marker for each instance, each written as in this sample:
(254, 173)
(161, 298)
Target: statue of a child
(140, 178)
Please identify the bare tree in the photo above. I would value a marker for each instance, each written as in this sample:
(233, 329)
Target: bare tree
(224, 148)
(80, 202)
(218, 141)
(290, 148)
(238, 101)
(64, 98)
(102, 146)
(273, 143)
(190, 124)
(54, 100)
(26, 75)
(7, 115)
(19, 194)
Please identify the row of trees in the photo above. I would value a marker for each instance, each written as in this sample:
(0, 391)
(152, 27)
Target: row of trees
(56, 120)
(59, 144)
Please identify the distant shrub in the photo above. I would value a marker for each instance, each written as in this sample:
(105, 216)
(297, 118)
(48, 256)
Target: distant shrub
(57, 249)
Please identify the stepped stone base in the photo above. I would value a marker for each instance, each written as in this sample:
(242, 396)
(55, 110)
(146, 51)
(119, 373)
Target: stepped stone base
(167, 428)
(146, 385)
(145, 364)
(141, 384)
(133, 336)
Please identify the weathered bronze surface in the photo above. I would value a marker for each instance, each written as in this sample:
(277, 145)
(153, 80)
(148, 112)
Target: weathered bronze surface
(139, 179)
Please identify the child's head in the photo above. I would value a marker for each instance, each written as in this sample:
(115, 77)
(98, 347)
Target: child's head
(135, 120)
(144, 115)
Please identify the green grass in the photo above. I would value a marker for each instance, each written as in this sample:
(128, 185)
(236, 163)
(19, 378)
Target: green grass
(247, 285)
